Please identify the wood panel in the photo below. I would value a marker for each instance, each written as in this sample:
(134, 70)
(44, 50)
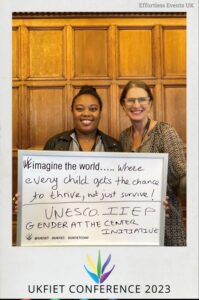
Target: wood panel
(135, 52)
(45, 52)
(90, 50)
(46, 114)
(175, 108)
(15, 53)
(174, 52)
(16, 118)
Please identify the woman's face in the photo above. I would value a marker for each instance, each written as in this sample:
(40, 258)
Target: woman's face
(137, 104)
(86, 113)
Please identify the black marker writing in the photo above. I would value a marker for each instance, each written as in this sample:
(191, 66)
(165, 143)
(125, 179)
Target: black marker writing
(27, 163)
(110, 223)
(102, 180)
(134, 194)
(37, 196)
(134, 211)
(130, 231)
(76, 180)
(39, 179)
(122, 180)
(68, 212)
(125, 167)
(108, 195)
(66, 195)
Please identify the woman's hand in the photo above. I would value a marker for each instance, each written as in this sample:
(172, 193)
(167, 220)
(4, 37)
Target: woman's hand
(167, 206)
(16, 202)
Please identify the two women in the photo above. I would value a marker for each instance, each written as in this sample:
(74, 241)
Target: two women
(144, 135)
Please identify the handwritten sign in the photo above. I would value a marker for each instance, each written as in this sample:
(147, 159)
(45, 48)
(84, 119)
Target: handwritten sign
(89, 198)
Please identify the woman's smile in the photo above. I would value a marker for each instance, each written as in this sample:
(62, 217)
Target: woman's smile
(86, 122)
(136, 111)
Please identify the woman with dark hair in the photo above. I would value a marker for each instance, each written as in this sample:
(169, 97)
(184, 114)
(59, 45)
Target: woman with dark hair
(86, 109)
(148, 135)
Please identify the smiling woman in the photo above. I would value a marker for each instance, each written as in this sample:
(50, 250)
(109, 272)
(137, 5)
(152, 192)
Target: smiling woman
(148, 135)
(86, 110)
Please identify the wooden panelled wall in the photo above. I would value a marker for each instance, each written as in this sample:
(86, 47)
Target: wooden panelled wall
(53, 57)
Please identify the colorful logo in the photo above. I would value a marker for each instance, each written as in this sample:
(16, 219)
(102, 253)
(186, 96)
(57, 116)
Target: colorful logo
(99, 275)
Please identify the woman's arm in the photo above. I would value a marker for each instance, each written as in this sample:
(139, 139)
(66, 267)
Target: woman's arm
(172, 144)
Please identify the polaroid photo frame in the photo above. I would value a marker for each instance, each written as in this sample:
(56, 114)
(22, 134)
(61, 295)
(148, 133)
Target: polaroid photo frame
(132, 272)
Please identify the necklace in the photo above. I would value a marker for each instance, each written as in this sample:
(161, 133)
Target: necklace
(136, 142)
(146, 128)
(88, 144)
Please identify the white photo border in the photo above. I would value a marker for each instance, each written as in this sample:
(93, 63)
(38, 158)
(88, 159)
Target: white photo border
(24, 269)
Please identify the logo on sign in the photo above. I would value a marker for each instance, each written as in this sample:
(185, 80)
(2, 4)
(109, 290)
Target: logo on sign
(98, 272)
(29, 236)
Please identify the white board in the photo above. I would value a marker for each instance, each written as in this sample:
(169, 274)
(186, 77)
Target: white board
(89, 198)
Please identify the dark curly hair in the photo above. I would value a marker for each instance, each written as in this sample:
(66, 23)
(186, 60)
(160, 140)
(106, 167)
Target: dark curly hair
(87, 90)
